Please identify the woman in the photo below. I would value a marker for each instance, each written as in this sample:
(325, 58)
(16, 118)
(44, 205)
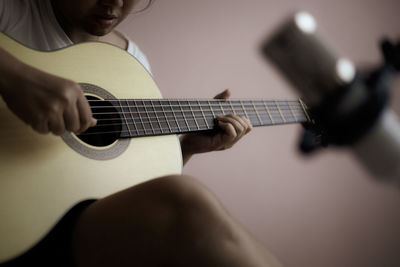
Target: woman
(170, 221)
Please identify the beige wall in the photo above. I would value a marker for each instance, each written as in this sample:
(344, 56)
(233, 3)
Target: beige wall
(320, 211)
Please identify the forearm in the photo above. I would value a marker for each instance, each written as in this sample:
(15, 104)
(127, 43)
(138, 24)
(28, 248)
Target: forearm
(9, 67)
(186, 158)
(186, 153)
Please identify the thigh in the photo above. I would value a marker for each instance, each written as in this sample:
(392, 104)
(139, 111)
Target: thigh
(169, 221)
(128, 227)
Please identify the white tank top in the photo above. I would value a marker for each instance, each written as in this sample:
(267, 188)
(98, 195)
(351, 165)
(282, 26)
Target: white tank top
(34, 24)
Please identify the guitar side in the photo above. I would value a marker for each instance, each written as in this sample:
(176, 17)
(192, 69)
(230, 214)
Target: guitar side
(41, 176)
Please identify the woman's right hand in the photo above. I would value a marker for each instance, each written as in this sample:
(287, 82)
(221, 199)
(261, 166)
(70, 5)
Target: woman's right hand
(46, 102)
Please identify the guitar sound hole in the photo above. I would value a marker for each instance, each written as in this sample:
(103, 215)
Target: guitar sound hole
(108, 128)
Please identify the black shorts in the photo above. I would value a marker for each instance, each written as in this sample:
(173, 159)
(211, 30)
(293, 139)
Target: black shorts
(55, 249)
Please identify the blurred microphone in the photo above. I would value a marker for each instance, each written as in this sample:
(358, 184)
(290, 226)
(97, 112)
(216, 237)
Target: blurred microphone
(347, 107)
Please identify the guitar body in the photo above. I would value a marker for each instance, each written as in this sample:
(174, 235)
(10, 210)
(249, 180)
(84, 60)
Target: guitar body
(42, 176)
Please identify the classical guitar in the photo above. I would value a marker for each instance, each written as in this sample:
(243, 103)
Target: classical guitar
(42, 176)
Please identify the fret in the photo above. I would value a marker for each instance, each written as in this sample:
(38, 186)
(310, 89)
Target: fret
(263, 113)
(132, 118)
(275, 114)
(138, 125)
(291, 110)
(269, 113)
(148, 117)
(183, 115)
(209, 113)
(226, 107)
(126, 121)
(199, 114)
(144, 118)
(244, 110)
(165, 123)
(202, 113)
(222, 109)
(157, 118)
(171, 109)
(301, 112)
(211, 109)
(286, 111)
(250, 112)
(193, 114)
(217, 107)
(233, 109)
(189, 115)
(303, 106)
(172, 120)
(280, 112)
(258, 115)
(139, 109)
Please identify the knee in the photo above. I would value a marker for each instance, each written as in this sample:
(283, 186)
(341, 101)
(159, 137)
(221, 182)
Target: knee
(180, 192)
(182, 199)
(193, 214)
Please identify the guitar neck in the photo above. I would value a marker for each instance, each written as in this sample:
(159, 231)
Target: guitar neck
(149, 117)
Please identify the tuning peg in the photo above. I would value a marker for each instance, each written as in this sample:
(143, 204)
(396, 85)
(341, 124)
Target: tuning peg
(391, 53)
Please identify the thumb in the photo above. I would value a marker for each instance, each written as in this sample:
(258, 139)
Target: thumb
(223, 95)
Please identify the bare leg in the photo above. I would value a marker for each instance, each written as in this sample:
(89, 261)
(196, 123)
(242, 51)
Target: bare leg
(170, 221)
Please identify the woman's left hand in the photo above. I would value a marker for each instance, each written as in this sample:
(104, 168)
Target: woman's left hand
(232, 129)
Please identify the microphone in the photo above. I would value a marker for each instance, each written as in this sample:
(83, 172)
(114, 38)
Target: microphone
(347, 107)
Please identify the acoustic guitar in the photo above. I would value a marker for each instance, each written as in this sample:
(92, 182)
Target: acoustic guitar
(42, 176)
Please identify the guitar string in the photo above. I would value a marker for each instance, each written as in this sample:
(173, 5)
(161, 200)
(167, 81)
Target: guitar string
(201, 109)
(287, 111)
(284, 105)
(168, 131)
(136, 122)
(197, 102)
(173, 129)
(270, 111)
(297, 116)
(161, 114)
(180, 100)
(219, 107)
(291, 111)
(191, 117)
(180, 119)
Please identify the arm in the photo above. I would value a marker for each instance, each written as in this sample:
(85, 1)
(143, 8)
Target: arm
(186, 153)
(232, 129)
(45, 102)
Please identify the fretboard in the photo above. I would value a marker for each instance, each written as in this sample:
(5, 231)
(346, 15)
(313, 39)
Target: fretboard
(148, 117)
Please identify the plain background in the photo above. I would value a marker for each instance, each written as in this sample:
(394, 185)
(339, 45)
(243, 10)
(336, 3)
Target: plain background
(324, 210)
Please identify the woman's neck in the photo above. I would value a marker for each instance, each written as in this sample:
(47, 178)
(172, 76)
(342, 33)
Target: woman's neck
(79, 35)
(75, 34)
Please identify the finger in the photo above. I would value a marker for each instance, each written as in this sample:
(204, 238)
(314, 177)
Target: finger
(223, 95)
(229, 133)
(235, 121)
(41, 127)
(71, 119)
(240, 119)
(246, 123)
(56, 124)
(85, 114)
